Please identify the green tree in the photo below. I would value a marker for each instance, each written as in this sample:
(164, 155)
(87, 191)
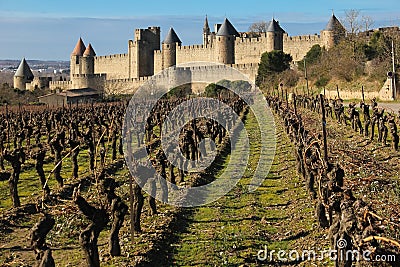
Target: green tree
(224, 84)
(312, 56)
(272, 63)
(179, 91)
(241, 86)
(212, 90)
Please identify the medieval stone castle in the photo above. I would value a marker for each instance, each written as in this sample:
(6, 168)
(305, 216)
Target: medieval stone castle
(147, 55)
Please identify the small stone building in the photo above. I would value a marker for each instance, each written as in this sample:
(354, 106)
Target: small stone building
(23, 75)
(25, 80)
(74, 96)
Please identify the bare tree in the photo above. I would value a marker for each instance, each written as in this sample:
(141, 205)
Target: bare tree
(257, 27)
(352, 22)
(367, 22)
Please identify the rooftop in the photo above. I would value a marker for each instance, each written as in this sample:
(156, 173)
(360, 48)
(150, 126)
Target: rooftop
(172, 37)
(89, 52)
(79, 48)
(24, 70)
(227, 29)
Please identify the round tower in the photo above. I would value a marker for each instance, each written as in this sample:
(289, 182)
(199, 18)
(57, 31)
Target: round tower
(333, 33)
(19, 83)
(169, 46)
(274, 36)
(76, 58)
(23, 75)
(88, 60)
(225, 43)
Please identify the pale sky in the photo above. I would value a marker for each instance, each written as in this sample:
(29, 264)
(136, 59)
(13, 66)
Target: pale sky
(49, 29)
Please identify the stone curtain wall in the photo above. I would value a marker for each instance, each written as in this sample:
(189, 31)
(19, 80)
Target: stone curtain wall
(298, 46)
(62, 85)
(115, 66)
(249, 50)
(193, 53)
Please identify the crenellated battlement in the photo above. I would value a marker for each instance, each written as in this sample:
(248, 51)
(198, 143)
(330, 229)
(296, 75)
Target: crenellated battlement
(116, 56)
(245, 65)
(145, 57)
(248, 40)
(89, 75)
(146, 34)
(188, 47)
(63, 85)
(298, 46)
(128, 80)
(302, 38)
(60, 82)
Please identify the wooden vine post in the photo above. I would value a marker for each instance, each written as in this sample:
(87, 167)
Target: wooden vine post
(362, 91)
(295, 105)
(324, 129)
(287, 98)
(337, 90)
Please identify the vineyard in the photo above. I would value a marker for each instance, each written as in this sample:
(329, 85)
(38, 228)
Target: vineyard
(68, 196)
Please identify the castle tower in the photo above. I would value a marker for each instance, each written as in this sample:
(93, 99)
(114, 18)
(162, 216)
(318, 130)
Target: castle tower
(23, 75)
(333, 32)
(274, 36)
(141, 52)
(206, 32)
(88, 60)
(76, 57)
(169, 45)
(225, 43)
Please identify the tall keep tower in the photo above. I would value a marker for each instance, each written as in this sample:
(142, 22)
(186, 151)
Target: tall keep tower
(141, 52)
(225, 43)
(76, 57)
(274, 36)
(333, 32)
(169, 45)
(23, 75)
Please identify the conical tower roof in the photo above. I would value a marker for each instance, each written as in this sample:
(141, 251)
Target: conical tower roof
(333, 24)
(172, 37)
(274, 27)
(206, 27)
(89, 52)
(79, 48)
(227, 29)
(24, 70)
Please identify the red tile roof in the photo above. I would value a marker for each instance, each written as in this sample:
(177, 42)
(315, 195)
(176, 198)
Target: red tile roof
(79, 48)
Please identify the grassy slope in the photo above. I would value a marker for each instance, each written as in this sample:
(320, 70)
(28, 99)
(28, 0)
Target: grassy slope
(232, 230)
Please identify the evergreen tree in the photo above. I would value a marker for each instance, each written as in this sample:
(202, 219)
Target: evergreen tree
(272, 63)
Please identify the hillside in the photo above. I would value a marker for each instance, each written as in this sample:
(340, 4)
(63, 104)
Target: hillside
(356, 61)
(13, 96)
